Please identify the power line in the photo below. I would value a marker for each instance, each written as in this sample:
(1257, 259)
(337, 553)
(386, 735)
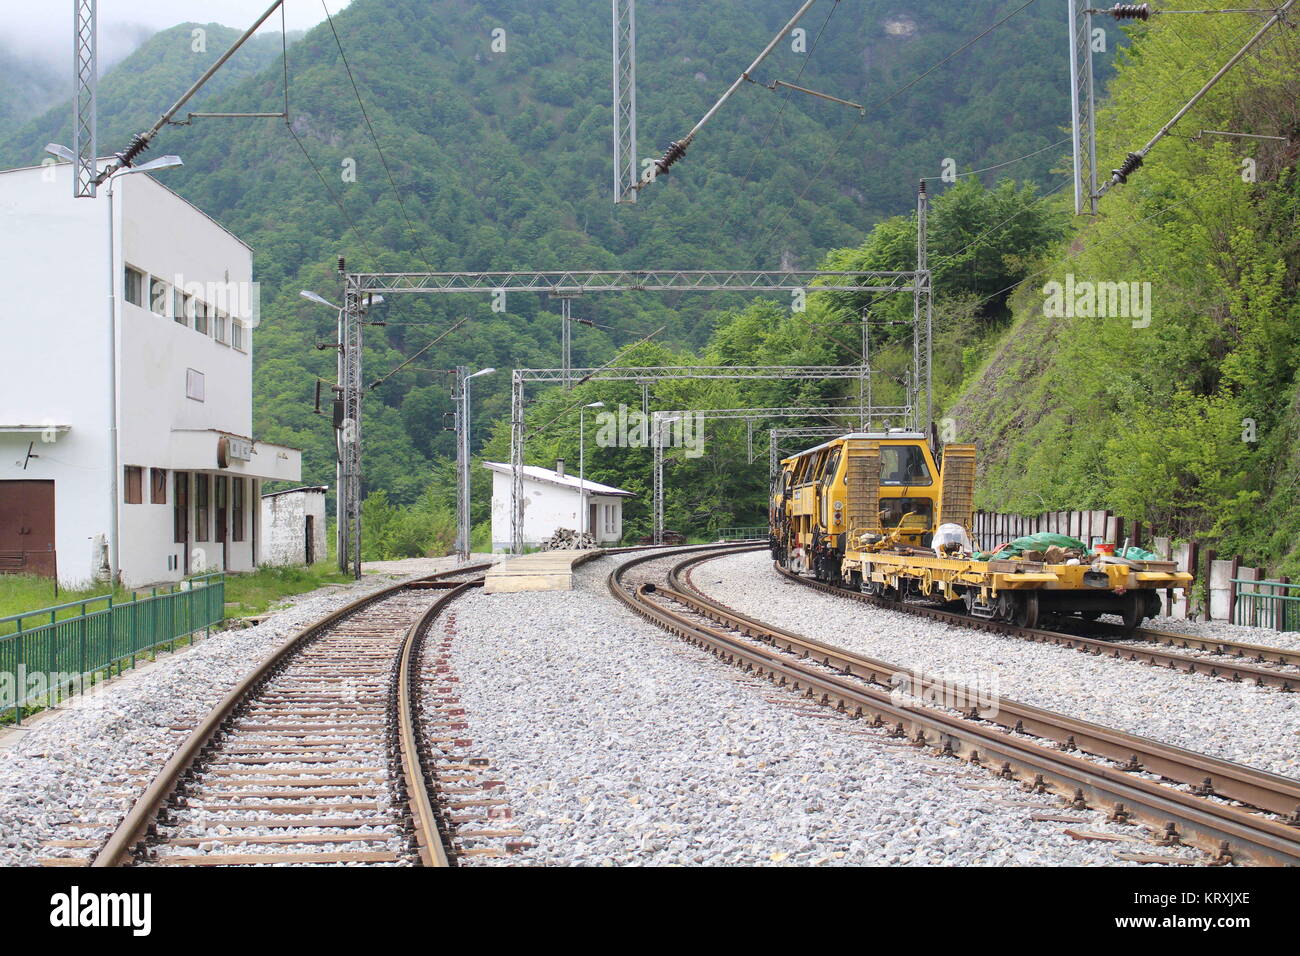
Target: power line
(784, 103)
(851, 128)
(1010, 162)
(337, 201)
(375, 139)
(1100, 243)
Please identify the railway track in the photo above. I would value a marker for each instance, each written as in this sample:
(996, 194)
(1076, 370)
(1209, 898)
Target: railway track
(1234, 661)
(317, 756)
(1232, 812)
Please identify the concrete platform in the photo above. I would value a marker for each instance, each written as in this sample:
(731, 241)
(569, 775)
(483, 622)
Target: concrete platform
(543, 571)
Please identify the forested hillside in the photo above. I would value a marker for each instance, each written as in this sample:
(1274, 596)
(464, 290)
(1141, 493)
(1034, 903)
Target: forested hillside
(1187, 421)
(504, 160)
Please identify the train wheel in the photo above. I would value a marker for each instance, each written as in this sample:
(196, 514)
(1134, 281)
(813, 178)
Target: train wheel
(1131, 610)
(1027, 609)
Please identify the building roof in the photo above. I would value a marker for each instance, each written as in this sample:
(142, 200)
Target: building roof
(293, 491)
(537, 473)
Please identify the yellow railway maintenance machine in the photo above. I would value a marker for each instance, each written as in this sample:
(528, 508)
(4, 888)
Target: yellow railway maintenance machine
(874, 512)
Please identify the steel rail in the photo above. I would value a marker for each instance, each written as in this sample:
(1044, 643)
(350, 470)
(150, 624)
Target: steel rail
(1209, 775)
(1259, 653)
(1220, 829)
(429, 837)
(143, 815)
(1098, 647)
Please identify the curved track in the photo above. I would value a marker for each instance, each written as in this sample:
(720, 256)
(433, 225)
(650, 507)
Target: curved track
(1230, 811)
(1118, 645)
(315, 757)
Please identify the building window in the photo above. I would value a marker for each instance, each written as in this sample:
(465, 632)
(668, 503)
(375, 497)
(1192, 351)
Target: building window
(158, 486)
(133, 485)
(237, 509)
(195, 385)
(610, 523)
(201, 522)
(200, 317)
(134, 286)
(220, 323)
(222, 510)
(237, 336)
(159, 294)
(181, 507)
(180, 307)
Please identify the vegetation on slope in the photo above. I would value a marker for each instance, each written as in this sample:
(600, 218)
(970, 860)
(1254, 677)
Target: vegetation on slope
(1188, 422)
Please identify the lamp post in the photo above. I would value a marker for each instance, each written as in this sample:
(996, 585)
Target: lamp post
(582, 466)
(462, 463)
(162, 162)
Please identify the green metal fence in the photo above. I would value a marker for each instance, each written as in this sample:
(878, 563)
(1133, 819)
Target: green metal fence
(742, 534)
(48, 657)
(1274, 604)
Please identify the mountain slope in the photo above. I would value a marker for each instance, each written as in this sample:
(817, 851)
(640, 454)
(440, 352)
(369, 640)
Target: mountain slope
(1187, 421)
(504, 161)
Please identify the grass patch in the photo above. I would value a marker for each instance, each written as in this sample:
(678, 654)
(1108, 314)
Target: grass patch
(23, 593)
(254, 592)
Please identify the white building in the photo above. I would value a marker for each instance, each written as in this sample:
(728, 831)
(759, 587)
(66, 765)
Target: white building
(293, 526)
(189, 471)
(555, 499)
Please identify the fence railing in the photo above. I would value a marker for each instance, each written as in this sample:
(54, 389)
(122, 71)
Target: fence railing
(742, 534)
(47, 657)
(1273, 604)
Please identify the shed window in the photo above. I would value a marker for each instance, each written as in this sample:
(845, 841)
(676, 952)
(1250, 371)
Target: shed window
(158, 486)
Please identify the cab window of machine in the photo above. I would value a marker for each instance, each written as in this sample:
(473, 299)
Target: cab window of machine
(832, 466)
(903, 465)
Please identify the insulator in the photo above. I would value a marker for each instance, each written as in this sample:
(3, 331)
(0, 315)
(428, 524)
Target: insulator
(1131, 164)
(138, 145)
(1130, 11)
(342, 264)
(674, 152)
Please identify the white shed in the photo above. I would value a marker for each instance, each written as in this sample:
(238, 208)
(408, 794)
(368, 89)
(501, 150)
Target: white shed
(293, 523)
(555, 499)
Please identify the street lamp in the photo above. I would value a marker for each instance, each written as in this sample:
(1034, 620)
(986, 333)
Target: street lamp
(462, 471)
(582, 467)
(162, 162)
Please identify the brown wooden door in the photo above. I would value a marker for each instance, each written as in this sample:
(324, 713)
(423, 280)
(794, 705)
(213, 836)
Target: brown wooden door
(27, 527)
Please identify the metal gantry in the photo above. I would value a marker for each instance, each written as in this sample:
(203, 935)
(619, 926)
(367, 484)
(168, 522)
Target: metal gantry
(1083, 105)
(635, 280)
(565, 284)
(640, 374)
(625, 156)
(659, 419)
(85, 97)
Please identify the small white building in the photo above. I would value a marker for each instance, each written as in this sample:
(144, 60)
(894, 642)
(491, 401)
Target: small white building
(293, 526)
(552, 500)
(189, 471)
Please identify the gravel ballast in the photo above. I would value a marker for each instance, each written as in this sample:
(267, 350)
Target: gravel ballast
(619, 744)
(74, 773)
(1255, 726)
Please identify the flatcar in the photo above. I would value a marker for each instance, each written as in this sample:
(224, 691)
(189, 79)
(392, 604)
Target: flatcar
(878, 513)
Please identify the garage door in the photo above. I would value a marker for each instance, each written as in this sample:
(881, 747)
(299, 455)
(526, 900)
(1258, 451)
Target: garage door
(27, 527)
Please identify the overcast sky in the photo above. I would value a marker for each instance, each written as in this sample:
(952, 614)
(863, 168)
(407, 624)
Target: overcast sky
(43, 28)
